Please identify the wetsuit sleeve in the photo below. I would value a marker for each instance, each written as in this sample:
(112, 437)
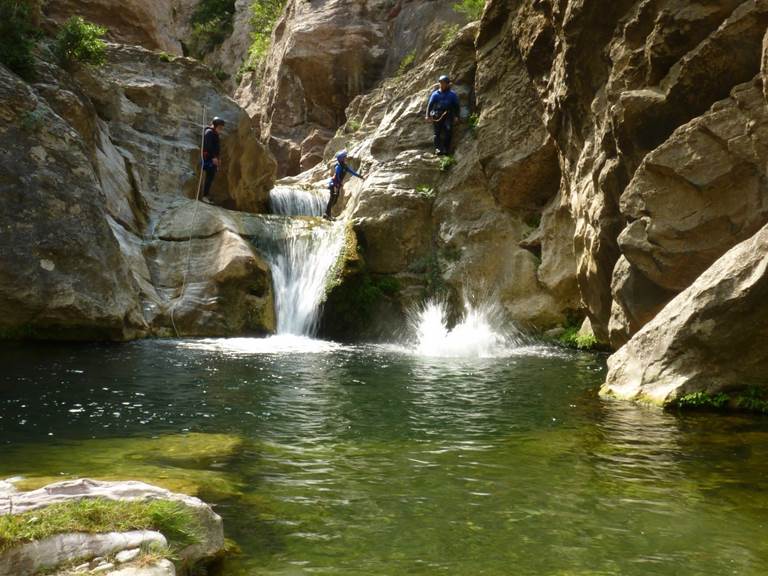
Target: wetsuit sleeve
(352, 172)
(431, 102)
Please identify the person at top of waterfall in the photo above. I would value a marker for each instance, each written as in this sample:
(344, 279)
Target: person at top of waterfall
(336, 183)
(443, 109)
(211, 155)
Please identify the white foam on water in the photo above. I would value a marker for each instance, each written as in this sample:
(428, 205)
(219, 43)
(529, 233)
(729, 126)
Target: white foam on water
(479, 334)
(281, 344)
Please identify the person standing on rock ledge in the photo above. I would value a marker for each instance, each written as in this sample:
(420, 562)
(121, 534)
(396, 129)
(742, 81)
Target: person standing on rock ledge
(211, 155)
(443, 109)
(337, 182)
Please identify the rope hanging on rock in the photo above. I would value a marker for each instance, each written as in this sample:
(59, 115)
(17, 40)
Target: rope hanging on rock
(191, 229)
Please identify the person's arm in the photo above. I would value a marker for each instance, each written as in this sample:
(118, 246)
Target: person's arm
(349, 169)
(430, 102)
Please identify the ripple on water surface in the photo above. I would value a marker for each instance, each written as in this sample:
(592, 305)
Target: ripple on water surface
(330, 459)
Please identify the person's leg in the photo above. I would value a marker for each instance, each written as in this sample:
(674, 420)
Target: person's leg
(210, 174)
(447, 135)
(332, 197)
(438, 134)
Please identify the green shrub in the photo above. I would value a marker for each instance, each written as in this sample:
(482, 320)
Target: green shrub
(572, 339)
(406, 63)
(472, 9)
(753, 399)
(264, 15)
(82, 42)
(211, 25)
(18, 35)
(703, 400)
(472, 122)
(353, 125)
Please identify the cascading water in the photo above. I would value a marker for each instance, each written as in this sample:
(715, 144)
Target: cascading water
(478, 334)
(301, 261)
(290, 201)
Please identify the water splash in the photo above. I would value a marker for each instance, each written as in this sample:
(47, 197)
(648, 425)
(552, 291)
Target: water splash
(478, 335)
(285, 344)
(293, 201)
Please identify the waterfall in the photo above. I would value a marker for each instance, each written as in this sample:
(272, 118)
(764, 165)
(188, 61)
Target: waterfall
(479, 334)
(301, 261)
(290, 201)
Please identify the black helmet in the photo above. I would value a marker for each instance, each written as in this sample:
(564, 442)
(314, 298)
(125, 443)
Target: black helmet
(217, 121)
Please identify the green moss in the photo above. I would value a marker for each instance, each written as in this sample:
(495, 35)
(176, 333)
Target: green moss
(81, 42)
(96, 515)
(352, 125)
(165, 56)
(181, 463)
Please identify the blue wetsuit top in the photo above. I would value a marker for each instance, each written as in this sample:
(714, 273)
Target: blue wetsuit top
(339, 173)
(440, 102)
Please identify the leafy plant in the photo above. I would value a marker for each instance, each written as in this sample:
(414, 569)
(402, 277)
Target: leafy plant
(406, 63)
(703, 400)
(18, 35)
(754, 399)
(572, 339)
(446, 163)
(80, 41)
(426, 191)
(353, 125)
(472, 9)
(473, 121)
(211, 25)
(165, 56)
(264, 15)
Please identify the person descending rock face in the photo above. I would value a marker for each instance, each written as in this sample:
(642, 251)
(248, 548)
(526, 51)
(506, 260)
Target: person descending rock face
(442, 110)
(337, 182)
(211, 155)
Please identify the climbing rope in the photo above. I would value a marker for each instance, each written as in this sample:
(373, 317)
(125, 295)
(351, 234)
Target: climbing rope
(191, 229)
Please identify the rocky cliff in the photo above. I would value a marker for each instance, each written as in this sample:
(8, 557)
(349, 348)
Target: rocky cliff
(96, 204)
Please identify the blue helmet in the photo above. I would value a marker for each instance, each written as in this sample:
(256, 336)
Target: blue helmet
(342, 155)
(443, 78)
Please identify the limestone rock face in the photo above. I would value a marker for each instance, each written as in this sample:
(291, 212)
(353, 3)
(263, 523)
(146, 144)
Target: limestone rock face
(617, 81)
(707, 338)
(324, 54)
(456, 231)
(148, 23)
(51, 552)
(62, 274)
(113, 153)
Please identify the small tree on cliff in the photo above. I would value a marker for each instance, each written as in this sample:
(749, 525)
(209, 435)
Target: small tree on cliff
(80, 41)
(18, 34)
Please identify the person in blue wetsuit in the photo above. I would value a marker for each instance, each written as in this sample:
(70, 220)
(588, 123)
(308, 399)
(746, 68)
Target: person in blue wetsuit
(336, 183)
(443, 109)
(211, 155)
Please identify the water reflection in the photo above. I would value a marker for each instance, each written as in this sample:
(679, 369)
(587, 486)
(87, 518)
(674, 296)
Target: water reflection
(326, 459)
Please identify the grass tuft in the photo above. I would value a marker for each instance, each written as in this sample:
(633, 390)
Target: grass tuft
(175, 521)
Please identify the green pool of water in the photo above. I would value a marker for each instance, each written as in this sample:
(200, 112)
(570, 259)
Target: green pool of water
(372, 461)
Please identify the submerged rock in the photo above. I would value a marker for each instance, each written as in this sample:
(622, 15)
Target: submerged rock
(707, 339)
